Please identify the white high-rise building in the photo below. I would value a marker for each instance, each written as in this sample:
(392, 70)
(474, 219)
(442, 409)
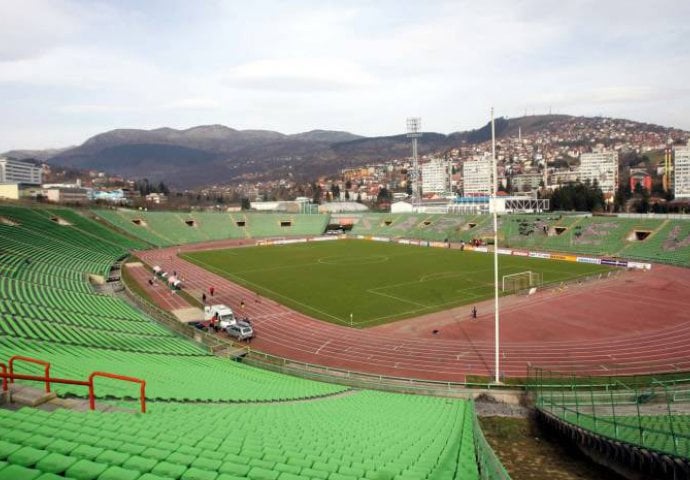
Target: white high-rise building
(681, 171)
(477, 176)
(16, 171)
(435, 176)
(602, 167)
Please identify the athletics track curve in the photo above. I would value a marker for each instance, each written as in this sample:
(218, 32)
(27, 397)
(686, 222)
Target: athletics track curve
(634, 323)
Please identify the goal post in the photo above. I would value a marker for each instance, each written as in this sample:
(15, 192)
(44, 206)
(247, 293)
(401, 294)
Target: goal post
(514, 282)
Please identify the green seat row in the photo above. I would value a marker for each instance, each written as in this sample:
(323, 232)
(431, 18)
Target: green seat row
(365, 435)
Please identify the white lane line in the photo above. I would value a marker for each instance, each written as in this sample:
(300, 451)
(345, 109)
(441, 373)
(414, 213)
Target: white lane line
(321, 347)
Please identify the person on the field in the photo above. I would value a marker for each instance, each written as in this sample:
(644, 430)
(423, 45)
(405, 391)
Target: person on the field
(474, 312)
(203, 298)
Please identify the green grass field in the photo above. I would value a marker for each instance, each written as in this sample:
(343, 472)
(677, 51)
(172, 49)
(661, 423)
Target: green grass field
(375, 282)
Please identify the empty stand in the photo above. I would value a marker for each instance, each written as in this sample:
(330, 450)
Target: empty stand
(175, 228)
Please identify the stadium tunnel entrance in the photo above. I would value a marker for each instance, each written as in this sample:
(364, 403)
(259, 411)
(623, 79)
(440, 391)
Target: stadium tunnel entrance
(344, 225)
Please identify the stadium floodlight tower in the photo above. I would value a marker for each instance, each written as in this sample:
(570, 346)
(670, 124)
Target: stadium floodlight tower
(414, 125)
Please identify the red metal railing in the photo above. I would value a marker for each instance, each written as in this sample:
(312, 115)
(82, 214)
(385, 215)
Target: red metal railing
(45, 364)
(142, 387)
(4, 376)
(67, 381)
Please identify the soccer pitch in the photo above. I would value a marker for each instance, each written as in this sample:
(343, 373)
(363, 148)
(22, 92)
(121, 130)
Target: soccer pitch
(375, 282)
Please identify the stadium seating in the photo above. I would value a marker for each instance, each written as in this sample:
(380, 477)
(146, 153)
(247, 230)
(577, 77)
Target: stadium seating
(208, 417)
(125, 220)
(668, 240)
(174, 228)
(644, 411)
(170, 375)
(663, 433)
(670, 243)
(52, 313)
(90, 227)
(438, 228)
(362, 435)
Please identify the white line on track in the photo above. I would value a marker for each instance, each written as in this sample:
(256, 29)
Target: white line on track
(319, 349)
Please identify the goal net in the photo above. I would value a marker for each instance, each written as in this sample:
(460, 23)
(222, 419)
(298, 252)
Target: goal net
(515, 282)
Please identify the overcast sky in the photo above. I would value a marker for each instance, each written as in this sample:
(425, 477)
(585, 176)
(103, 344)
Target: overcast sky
(70, 68)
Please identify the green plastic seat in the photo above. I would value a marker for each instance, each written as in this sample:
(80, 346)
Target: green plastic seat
(189, 450)
(258, 473)
(108, 443)
(85, 470)
(17, 472)
(291, 476)
(151, 476)
(313, 473)
(284, 467)
(131, 448)
(198, 474)
(26, 456)
(265, 464)
(7, 448)
(144, 465)
(118, 473)
(180, 458)
(155, 453)
(206, 464)
(234, 468)
(55, 463)
(234, 458)
(169, 470)
(50, 476)
(15, 436)
(86, 452)
(61, 446)
(212, 454)
(340, 476)
(112, 457)
(229, 476)
(38, 441)
(300, 462)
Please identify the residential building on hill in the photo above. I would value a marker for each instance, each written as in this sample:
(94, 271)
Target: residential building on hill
(477, 176)
(681, 170)
(435, 176)
(601, 167)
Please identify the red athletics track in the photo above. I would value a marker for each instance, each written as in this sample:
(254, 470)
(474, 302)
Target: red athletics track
(637, 322)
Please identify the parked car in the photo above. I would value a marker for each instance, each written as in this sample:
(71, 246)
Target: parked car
(240, 330)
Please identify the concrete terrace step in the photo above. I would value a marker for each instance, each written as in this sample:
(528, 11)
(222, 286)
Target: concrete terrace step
(19, 396)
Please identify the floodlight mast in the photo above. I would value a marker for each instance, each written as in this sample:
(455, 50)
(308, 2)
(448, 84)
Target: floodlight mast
(414, 125)
(494, 205)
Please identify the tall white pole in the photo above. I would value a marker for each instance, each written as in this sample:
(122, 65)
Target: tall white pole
(495, 214)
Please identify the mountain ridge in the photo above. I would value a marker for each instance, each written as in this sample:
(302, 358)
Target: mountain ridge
(215, 154)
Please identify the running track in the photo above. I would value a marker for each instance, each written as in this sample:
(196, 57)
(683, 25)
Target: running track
(638, 322)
